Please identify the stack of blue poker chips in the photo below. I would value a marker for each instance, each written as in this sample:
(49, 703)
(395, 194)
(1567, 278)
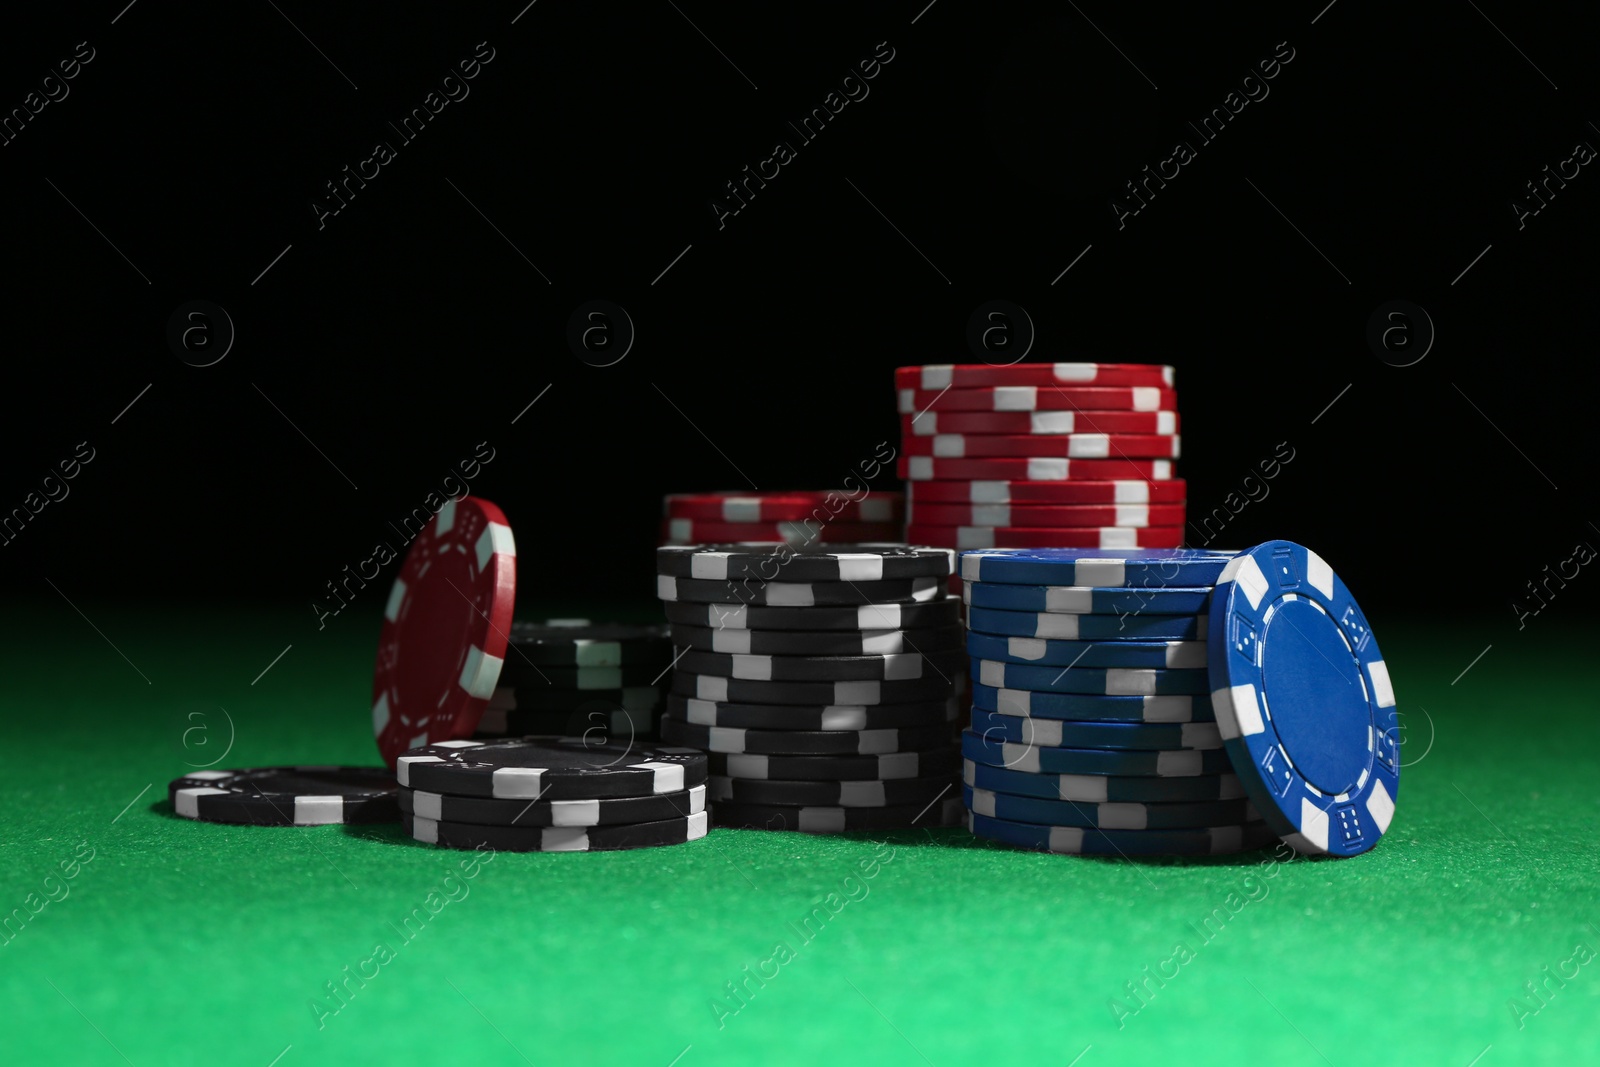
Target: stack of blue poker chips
(1092, 726)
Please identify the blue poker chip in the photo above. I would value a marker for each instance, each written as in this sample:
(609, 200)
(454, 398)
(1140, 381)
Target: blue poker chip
(1109, 816)
(1112, 681)
(1062, 733)
(1214, 841)
(1101, 788)
(1037, 759)
(1068, 627)
(1150, 567)
(1189, 655)
(1088, 599)
(1304, 701)
(1092, 707)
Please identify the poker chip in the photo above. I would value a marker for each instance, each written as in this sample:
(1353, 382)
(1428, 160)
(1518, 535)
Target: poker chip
(1037, 398)
(1067, 445)
(1070, 515)
(557, 838)
(878, 507)
(445, 628)
(1034, 468)
(1110, 681)
(580, 643)
(1185, 654)
(804, 742)
(969, 375)
(813, 643)
(746, 691)
(490, 811)
(798, 594)
(1102, 788)
(600, 720)
(1191, 567)
(1123, 816)
(891, 765)
(836, 820)
(903, 666)
(1043, 759)
(823, 718)
(542, 768)
(917, 793)
(1106, 601)
(964, 537)
(1080, 627)
(286, 796)
(1003, 491)
(1304, 700)
(1065, 733)
(536, 697)
(933, 423)
(1217, 840)
(864, 562)
(680, 531)
(876, 617)
(1092, 708)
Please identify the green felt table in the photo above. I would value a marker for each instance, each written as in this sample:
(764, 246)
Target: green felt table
(189, 943)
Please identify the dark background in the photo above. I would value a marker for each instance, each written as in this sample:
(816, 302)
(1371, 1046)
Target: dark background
(379, 350)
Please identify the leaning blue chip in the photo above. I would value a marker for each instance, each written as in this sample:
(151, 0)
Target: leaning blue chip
(1304, 701)
(1043, 651)
(1064, 733)
(1065, 627)
(1115, 601)
(1092, 707)
(1088, 566)
(1111, 681)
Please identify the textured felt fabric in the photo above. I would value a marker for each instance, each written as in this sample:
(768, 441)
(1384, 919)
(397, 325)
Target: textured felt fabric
(187, 943)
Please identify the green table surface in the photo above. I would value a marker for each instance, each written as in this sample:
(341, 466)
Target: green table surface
(189, 943)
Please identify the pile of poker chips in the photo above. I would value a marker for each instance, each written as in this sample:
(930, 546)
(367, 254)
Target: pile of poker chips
(1120, 704)
(1041, 455)
(573, 677)
(796, 517)
(542, 794)
(819, 679)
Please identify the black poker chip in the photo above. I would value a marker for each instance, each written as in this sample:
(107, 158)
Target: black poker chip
(874, 793)
(581, 643)
(940, 761)
(905, 666)
(869, 562)
(746, 691)
(823, 820)
(545, 768)
(557, 838)
(287, 796)
(817, 643)
(493, 811)
(798, 594)
(938, 612)
(803, 742)
(822, 717)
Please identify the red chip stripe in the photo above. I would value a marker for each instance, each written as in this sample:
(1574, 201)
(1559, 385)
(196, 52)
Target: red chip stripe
(963, 537)
(938, 376)
(1070, 445)
(1033, 469)
(1056, 516)
(1038, 398)
(1134, 491)
(699, 531)
(930, 423)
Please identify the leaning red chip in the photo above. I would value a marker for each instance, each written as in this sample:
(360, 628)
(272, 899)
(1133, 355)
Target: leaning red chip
(445, 629)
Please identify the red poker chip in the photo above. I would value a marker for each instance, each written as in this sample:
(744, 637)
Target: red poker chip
(962, 537)
(445, 629)
(1038, 398)
(1130, 491)
(967, 375)
(1070, 445)
(930, 423)
(697, 531)
(1074, 515)
(785, 506)
(1032, 469)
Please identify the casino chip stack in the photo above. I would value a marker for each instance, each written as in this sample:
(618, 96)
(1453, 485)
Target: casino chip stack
(1092, 726)
(799, 517)
(1040, 455)
(575, 678)
(819, 680)
(541, 794)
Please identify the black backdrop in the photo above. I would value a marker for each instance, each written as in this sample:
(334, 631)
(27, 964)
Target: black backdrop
(377, 346)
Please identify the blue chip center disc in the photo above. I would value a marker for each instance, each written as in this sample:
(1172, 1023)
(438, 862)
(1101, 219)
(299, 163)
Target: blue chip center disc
(1303, 700)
